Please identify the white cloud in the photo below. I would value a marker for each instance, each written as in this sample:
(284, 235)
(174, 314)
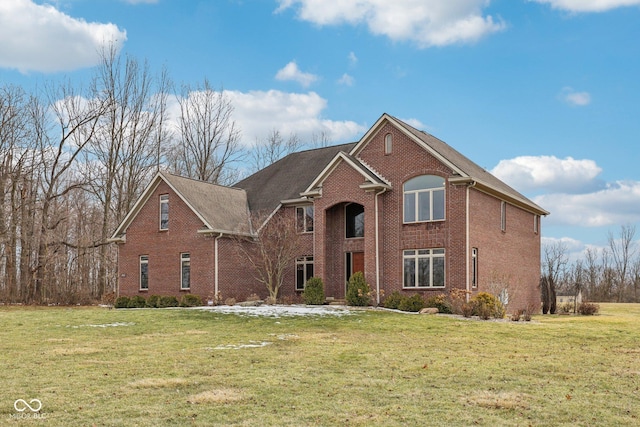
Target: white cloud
(617, 203)
(259, 112)
(571, 97)
(292, 72)
(346, 80)
(529, 173)
(353, 59)
(425, 22)
(41, 38)
(588, 5)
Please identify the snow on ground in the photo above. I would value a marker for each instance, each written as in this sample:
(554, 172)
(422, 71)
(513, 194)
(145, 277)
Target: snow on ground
(278, 311)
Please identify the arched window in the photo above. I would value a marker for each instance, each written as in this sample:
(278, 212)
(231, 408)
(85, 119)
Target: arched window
(388, 143)
(354, 218)
(424, 199)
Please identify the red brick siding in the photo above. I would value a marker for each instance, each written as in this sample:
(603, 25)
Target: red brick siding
(164, 248)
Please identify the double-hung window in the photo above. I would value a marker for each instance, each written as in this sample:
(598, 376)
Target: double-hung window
(185, 271)
(164, 212)
(304, 219)
(423, 268)
(424, 199)
(304, 271)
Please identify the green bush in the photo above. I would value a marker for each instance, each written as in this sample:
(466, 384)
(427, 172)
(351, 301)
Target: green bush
(137, 301)
(121, 302)
(393, 300)
(588, 308)
(153, 300)
(313, 291)
(358, 291)
(190, 300)
(167, 301)
(440, 302)
(487, 305)
(413, 303)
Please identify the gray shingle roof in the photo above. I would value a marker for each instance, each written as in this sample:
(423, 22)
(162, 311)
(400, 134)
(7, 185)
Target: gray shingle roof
(288, 177)
(468, 167)
(221, 208)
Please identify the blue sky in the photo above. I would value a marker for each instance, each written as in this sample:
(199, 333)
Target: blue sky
(543, 93)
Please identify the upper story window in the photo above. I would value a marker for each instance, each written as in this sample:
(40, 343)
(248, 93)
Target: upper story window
(536, 224)
(424, 199)
(304, 219)
(354, 218)
(388, 143)
(144, 272)
(164, 212)
(503, 216)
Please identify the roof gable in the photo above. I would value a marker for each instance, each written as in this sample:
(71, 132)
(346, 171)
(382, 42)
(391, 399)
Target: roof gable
(468, 171)
(221, 209)
(288, 177)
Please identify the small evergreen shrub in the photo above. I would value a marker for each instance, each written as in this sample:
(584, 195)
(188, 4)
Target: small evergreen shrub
(393, 300)
(121, 302)
(487, 305)
(313, 291)
(358, 291)
(167, 301)
(440, 302)
(413, 303)
(137, 301)
(190, 300)
(588, 308)
(153, 301)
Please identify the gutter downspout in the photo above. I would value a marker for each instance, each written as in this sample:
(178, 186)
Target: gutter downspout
(215, 275)
(378, 248)
(468, 242)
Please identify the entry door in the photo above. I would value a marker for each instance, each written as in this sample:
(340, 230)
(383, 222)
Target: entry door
(355, 263)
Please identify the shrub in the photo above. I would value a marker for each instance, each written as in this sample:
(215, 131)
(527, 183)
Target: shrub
(358, 291)
(137, 301)
(393, 300)
(566, 308)
(413, 303)
(467, 309)
(313, 291)
(457, 298)
(253, 297)
(121, 302)
(230, 301)
(487, 305)
(440, 302)
(168, 301)
(515, 316)
(153, 301)
(588, 308)
(190, 300)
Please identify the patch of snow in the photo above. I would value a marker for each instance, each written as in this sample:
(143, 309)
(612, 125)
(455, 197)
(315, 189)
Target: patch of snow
(104, 325)
(252, 344)
(278, 311)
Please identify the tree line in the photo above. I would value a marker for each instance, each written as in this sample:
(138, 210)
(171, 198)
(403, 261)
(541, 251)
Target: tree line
(607, 274)
(74, 159)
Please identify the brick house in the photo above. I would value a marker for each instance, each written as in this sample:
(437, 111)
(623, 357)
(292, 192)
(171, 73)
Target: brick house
(403, 207)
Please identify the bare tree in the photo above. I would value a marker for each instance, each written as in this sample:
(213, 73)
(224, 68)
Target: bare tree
(272, 148)
(623, 250)
(208, 137)
(126, 145)
(554, 263)
(274, 249)
(63, 125)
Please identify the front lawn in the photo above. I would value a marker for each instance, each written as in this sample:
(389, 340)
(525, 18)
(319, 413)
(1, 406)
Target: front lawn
(154, 367)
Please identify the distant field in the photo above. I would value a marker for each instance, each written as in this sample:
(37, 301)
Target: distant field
(160, 367)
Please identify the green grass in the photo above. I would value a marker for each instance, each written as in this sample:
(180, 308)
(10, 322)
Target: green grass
(189, 367)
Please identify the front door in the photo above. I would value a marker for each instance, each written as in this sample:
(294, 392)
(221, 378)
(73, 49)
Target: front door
(354, 263)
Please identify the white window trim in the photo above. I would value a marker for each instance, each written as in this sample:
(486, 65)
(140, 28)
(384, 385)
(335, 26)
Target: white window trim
(429, 256)
(345, 222)
(182, 260)
(305, 261)
(417, 205)
(304, 227)
(474, 268)
(503, 216)
(388, 144)
(144, 259)
(164, 200)
(536, 224)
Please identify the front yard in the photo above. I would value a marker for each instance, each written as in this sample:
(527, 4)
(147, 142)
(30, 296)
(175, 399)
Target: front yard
(157, 367)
